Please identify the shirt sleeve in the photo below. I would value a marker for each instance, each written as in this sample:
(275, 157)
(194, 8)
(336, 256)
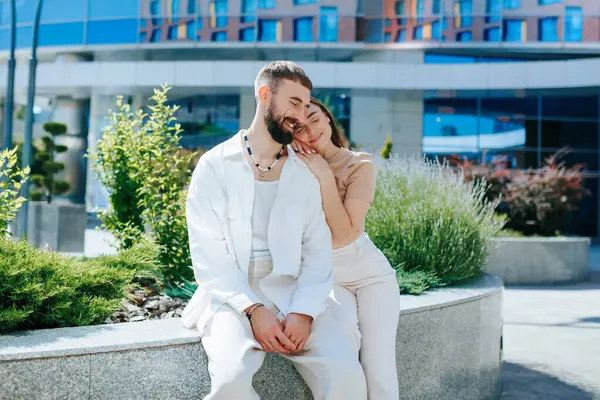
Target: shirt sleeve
(215, 269)
(361, 181)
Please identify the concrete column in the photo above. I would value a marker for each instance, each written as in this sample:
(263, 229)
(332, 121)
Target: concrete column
(247, 109)
(96, 194)
(374, 117)
(73, 113)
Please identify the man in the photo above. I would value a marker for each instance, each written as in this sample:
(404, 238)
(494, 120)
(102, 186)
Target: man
(261, 252)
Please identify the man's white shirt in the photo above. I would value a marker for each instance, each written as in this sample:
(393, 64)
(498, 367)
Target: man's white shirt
(219, 210)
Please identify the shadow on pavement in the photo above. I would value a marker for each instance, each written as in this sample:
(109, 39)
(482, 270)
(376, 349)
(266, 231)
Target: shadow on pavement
(522, 383)
(581, 286)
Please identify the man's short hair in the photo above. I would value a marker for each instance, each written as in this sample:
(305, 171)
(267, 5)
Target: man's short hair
(275, 72)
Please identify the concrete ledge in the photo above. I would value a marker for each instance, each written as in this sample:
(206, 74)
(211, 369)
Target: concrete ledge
(539, 260)
(449, 346)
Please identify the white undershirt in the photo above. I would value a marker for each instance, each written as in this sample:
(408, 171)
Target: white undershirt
(264, 198)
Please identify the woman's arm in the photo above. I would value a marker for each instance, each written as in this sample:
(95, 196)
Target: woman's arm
(346, 219)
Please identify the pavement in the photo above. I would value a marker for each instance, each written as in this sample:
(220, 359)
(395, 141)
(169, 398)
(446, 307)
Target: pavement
(552, 342)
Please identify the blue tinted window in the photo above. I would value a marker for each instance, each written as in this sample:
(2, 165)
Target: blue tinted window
(400, 7)
(109, 32)
(548, 29)
(492, 35)
(301, 2)
(420, 10)
(464, 36)
(387, 37)
(175, 10)
(328, 24)
(573, 24)
(61, 34)
(61, 10)
(418, 33)
(191, 30)
(447, 59)
(267, 30)
(154, 7)
(493, 9)
(248, 10)
(247, 34)
(436, 30)
(466, 13)
(155, 37)
(544, 2)
(436, 6)
(219, 36)
(401, 35)
(221, 12)
(266, 3)
(191, 6)
(303, 29)
(512, 4)
(512, 30)
(172, 34)
(113, 8)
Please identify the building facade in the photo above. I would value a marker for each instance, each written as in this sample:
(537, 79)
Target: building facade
(440, 77)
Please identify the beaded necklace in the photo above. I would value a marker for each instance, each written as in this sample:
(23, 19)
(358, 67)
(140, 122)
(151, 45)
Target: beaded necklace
(263, 171)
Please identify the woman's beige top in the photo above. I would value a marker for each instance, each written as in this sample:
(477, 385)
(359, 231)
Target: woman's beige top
(354, 174)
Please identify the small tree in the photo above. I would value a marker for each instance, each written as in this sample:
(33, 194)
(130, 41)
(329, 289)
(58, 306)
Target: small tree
(386, 152)
(11, 179)
(46, 184)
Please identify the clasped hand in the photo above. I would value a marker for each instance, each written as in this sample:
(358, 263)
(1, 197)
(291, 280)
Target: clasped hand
(287, 336)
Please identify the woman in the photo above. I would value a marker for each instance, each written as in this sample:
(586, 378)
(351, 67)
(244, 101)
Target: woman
(367, 296)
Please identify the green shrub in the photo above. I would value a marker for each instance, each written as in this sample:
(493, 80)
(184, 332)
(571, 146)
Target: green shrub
(43, 289)
(47, 185)
(145, 171)
(11, 179)
(386, 151)
(432, 225)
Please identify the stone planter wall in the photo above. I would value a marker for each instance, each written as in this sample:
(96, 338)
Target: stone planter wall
(449, 347)
(533, 260)
(59, 225)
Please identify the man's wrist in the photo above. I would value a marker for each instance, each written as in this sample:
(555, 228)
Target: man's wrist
(250, 310)
(306, 316)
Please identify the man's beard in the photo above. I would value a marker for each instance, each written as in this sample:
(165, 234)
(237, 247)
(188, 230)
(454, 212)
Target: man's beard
(276, 125)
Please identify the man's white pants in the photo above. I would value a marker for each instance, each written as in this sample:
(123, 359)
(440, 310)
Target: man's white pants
(329, 364)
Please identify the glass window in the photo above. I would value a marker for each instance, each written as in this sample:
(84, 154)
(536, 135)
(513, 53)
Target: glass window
(113, 31)
(512, 4)
(493, 9)
(266, 3)
(436, 30)
(328, 24)
(59, 10)
(303, 29)
(466, 13)
(401, 35)
(513, 30)
(436, 6)
(155, 37)
(466, 36)
(248, 11)
(268, 30)
(302, 2)
(220, 36)
(491, 35)
(387, 37)
(573, 24)
(220, 7)
(113, 8)
(172, 34)
(191, 30)
(191, 7)
(548, 29)
(418, 33)
(67, 33)
(154, 7)
(248, 34)
(420, 9)
(400, 7)
(175, 10)
(544, 2)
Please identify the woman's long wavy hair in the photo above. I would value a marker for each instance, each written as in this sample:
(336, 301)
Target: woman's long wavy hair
(338, 138)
